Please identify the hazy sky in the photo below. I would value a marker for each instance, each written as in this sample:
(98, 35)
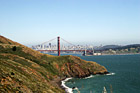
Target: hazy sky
(78, 21)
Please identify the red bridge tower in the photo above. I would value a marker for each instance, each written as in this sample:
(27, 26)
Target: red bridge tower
(58, 40)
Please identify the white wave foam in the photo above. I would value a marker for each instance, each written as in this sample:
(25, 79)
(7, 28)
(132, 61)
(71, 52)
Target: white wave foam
(67, 89)
(76, 89)
(110, 74)
(89, 77)
(70, 90)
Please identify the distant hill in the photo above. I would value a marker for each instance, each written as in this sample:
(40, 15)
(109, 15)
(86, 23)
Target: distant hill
(24, 70)
(108, 47)
(115, 47)
(129, 46)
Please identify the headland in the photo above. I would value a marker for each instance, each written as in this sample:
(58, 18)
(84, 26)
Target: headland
(23, 69)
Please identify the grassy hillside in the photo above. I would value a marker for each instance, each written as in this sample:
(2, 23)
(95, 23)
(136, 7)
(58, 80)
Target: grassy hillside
(25, 70)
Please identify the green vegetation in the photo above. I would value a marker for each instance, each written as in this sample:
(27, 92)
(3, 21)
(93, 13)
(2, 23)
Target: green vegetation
(25, 70)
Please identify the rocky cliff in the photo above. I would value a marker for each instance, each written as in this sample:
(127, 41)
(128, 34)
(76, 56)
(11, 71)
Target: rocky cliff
(25, 70)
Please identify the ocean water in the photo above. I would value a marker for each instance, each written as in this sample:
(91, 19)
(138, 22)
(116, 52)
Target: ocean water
(63, 54)
(125, 77)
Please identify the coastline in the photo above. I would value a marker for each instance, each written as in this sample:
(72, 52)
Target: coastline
(60, 82)
(63, 86)
(123, 54)
(70, 90)
(116, 54)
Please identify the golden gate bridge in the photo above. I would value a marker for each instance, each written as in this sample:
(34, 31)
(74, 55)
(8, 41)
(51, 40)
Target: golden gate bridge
(59, 50)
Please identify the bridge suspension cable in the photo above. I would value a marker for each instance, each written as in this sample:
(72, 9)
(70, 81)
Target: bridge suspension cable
(48, 41)
(68, 42)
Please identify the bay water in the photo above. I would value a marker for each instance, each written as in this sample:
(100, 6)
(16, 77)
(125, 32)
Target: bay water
(125, 77)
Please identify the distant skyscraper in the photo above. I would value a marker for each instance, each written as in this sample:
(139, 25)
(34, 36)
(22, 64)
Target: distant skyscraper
(50, 45)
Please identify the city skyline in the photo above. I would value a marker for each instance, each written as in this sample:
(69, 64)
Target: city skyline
(92, 22)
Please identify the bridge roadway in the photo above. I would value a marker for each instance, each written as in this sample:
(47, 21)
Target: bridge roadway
(65, 50)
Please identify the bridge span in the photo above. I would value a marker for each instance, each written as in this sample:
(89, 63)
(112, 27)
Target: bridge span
(59, 49)
(65, 50)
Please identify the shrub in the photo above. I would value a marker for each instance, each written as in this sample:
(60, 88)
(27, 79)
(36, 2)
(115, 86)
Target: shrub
(14, 48)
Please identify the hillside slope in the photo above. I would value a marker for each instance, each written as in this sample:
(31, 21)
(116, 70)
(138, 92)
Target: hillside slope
(25, 70)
